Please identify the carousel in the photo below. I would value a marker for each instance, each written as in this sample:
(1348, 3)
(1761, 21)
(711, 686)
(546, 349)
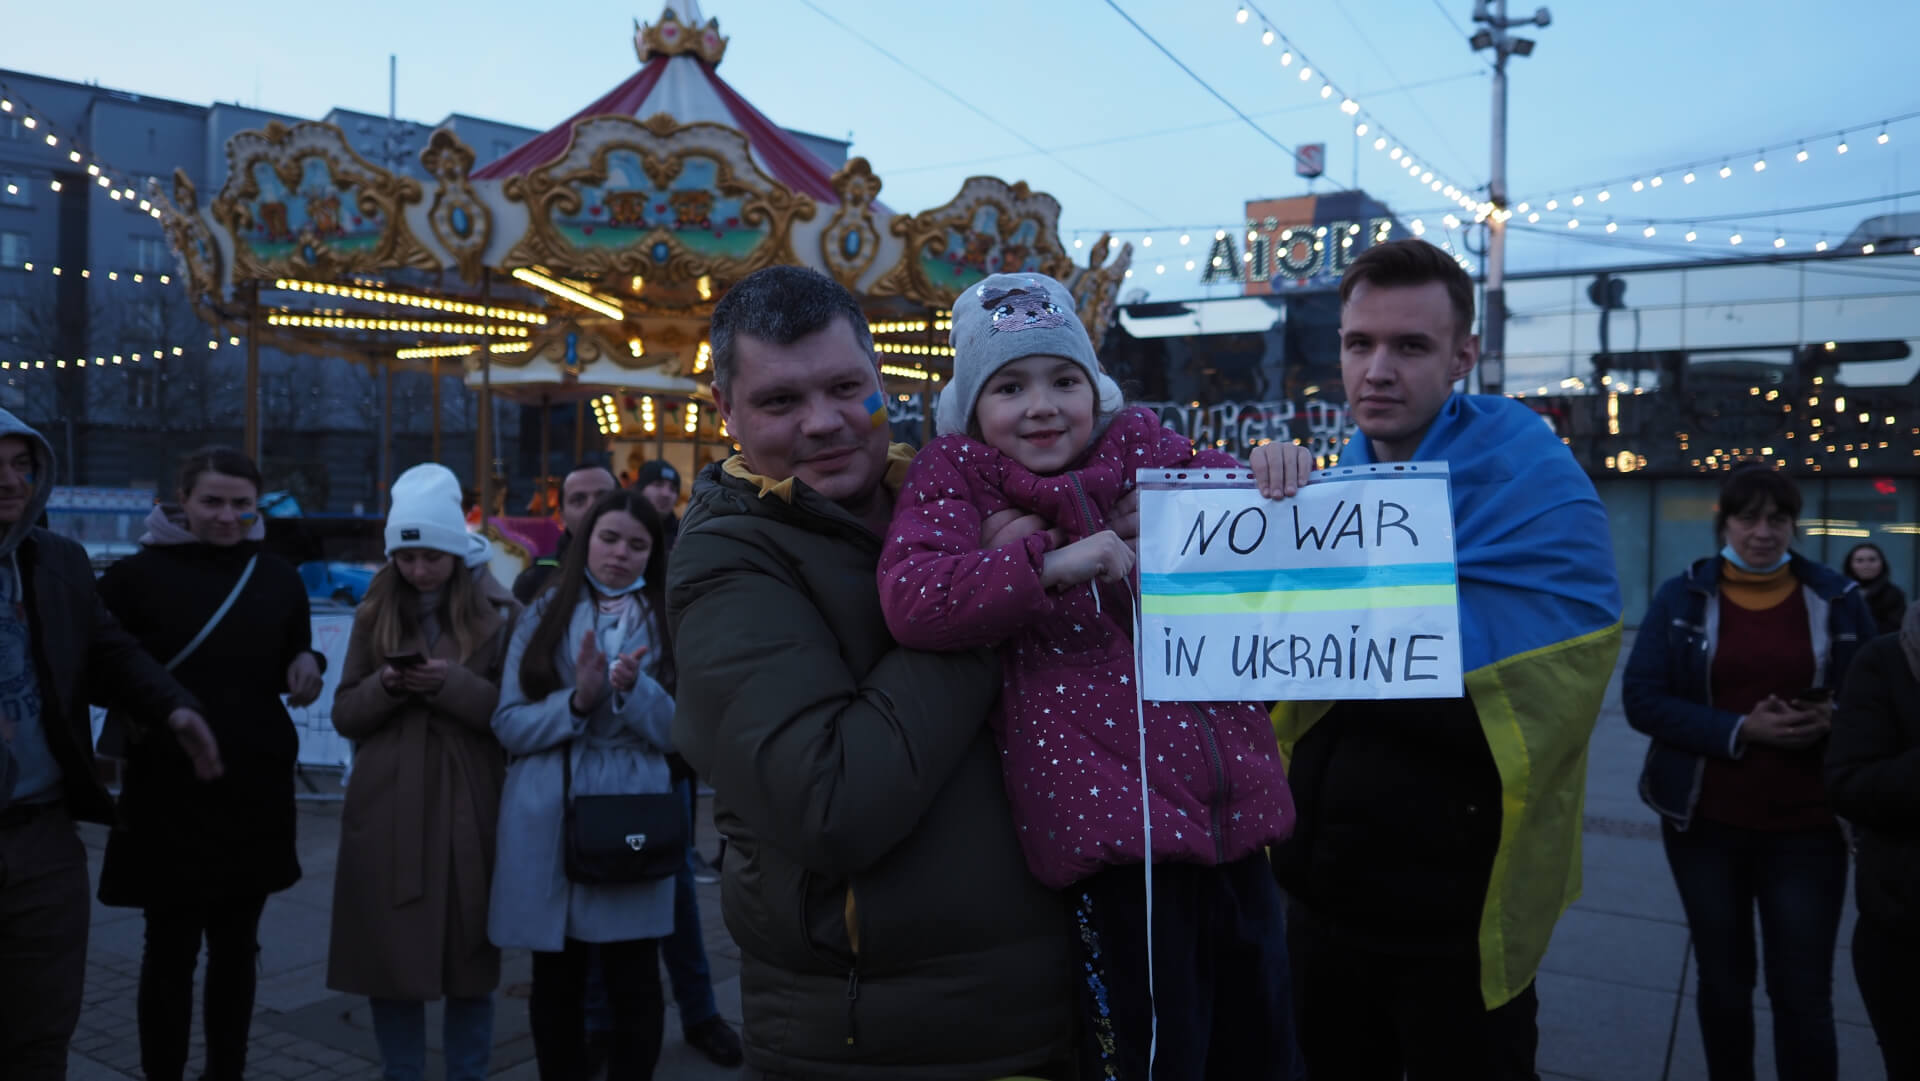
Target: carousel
(583, 265)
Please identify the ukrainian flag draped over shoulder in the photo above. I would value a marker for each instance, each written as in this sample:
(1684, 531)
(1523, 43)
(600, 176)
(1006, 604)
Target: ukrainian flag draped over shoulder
(1540, 628)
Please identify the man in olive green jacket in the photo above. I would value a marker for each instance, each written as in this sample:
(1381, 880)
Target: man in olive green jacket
(887, 924)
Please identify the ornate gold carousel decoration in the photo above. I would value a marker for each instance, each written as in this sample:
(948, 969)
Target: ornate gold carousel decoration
(584, 264)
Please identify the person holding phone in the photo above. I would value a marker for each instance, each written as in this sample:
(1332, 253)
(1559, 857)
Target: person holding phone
(417, 833)
(1733, 676)
(586, 710)
(200, 859)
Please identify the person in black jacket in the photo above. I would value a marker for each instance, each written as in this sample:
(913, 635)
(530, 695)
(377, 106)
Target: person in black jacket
(1873, 779)
(59, 647)
(200, 860)
(578, 493)
(1867, 565)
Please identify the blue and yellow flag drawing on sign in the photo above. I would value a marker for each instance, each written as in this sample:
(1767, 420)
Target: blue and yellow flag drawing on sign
(1540, 630)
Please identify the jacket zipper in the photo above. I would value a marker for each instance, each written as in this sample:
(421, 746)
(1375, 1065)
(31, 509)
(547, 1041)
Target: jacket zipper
(1218, 806)
(853, 970)
(1086, 514)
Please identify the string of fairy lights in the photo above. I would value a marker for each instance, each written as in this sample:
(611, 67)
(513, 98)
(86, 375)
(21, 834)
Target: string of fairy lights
(119, 188)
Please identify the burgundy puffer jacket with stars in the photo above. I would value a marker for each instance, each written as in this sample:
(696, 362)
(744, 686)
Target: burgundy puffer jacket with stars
(1066, 720)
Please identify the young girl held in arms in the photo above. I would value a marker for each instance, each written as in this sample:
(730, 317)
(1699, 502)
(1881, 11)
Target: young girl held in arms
(1031, 425)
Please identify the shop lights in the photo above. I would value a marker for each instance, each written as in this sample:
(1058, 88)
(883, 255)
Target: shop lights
(564, 291)
(411, 300)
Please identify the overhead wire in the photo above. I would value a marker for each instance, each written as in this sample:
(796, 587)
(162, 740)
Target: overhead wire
(920, 74)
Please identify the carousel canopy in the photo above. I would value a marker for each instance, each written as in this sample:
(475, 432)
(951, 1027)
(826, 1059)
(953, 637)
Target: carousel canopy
(590, 256)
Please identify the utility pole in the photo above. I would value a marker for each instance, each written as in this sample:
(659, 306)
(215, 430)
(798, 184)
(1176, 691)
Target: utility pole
(1493, 336)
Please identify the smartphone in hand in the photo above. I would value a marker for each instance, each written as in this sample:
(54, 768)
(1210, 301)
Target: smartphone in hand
(406, 661)
(1812, 696)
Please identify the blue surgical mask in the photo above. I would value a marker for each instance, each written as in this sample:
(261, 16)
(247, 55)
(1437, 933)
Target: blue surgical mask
(1727, 553)
(639, 583)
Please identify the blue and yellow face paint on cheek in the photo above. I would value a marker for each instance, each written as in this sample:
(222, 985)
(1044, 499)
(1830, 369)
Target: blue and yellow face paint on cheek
(876, 404)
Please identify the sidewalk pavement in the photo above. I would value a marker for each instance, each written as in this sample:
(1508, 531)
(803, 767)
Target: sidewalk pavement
(1616, 1000)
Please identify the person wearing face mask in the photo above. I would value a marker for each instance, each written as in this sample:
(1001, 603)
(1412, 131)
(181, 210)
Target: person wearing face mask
(585, 710)
(417, 695)
(1733, 676)
(1867, 565)
(231, 621)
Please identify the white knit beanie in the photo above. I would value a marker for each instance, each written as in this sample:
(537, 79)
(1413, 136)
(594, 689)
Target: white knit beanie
(1007, 317)
(426, 514)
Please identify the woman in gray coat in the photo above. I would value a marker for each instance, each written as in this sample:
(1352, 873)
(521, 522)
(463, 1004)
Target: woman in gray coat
(584, 678)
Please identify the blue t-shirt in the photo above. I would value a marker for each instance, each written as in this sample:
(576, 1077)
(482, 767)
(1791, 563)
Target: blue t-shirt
(23, 737)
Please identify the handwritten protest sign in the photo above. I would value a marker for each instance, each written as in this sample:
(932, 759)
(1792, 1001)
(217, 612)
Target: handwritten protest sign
(1348, 590)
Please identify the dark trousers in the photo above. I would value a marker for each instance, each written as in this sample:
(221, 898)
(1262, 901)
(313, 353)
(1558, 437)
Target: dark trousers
(1798, 882)
(558, 1013)
(1219, 985)
(1886, 963)
(43, 940)
(1370, 1015)
(231, 929)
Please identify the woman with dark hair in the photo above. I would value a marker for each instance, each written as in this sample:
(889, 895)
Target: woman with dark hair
(1873, 771)
(1733, 676)
(417, 835)
(1867, 565)
(200, 858)
(585, 710)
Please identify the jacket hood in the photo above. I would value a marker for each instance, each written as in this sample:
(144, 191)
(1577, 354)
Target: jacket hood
(167, 526)
(43, 473)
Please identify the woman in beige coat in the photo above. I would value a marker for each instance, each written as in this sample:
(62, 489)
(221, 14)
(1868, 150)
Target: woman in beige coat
(417, 696)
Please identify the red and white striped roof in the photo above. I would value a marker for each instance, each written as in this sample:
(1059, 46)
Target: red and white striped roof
(686, 87)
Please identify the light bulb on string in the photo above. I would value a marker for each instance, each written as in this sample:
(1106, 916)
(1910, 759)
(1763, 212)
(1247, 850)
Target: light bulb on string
(1802, 155)
(1241, 15)
(1380, 143)
(1688, 179)
(1185, 239)
(1533, 218)
(1266, 38)
(1647, 232)
(1351, 108)
(1842, 148)
(1883, 136)
(1326, 91)
(1305, 74)
(1613, 227)
(1820, 245)
(1656, 182)
(1286, 59)
(1736, 238)
(1077, 242)
(1553, 204)
(1579, 200)
(1146, 241)
(1573, 223)
(1725, 171)
(1760, 162)
(1604, 195)
(1779, 241)
(1692, 236)
(1639, 185)
(1865, 249)
(1394, 154)
(1360, 129)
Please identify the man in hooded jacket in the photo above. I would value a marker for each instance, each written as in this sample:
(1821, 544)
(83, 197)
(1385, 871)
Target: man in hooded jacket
(59, 648)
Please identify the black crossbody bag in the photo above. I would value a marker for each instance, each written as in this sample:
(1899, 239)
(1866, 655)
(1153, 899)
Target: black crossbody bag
(621, 840)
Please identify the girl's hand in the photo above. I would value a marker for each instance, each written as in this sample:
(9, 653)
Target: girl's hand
(391, 679)
(1104, 556)
(626, 670)
(426, 678)
(303, 681)
(589, 676)
(1280, 470)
